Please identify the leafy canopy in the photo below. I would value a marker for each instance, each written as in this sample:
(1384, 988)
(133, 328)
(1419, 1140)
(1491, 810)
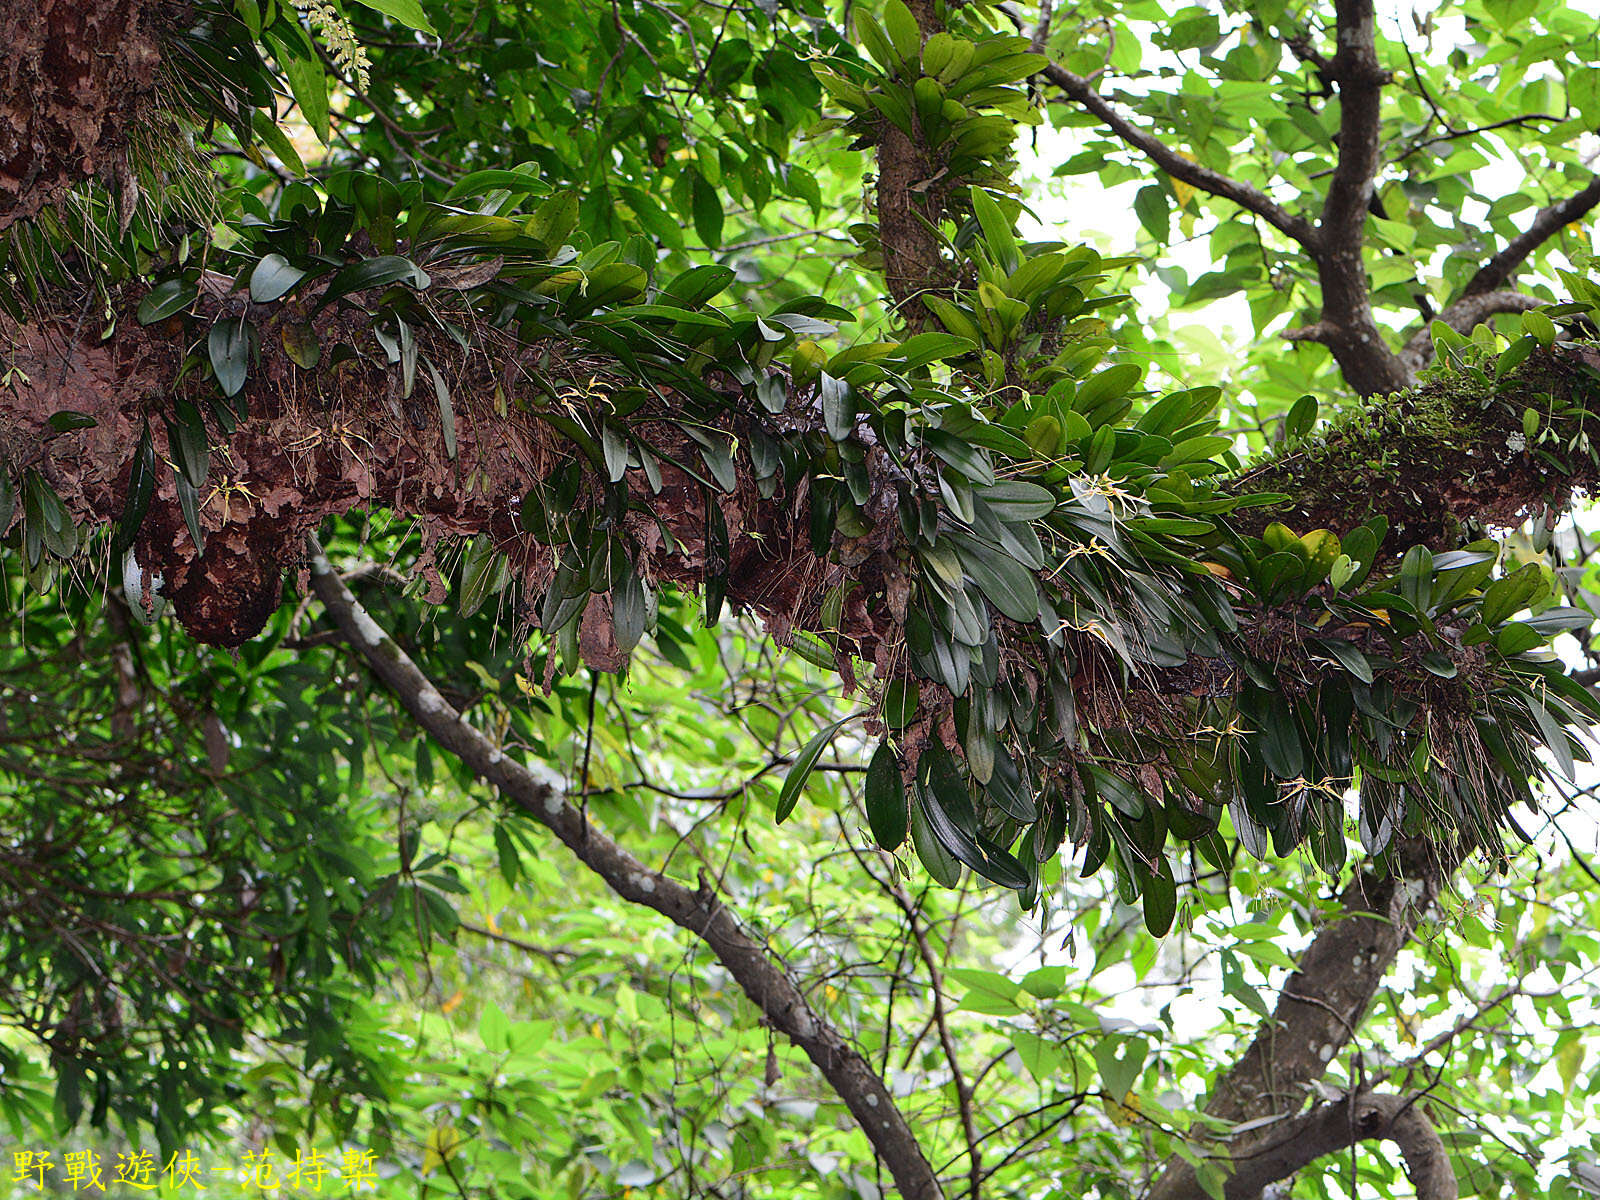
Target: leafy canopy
(475, 307)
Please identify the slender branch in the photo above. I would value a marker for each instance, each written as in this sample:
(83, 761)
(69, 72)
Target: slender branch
(1474, 131)
(1304, 49)
(760, 972)
(1547, 222)
(963, 1089)
(1174, 164)
(1041, 31)
(1330, 1128)
(1462, 1025)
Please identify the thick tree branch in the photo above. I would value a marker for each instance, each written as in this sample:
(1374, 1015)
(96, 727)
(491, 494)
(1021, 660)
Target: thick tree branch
(1463, 316)
(1332, 1127)
(1547, 222)
(1318, 1010)
(1351, 334)
(909, 206)
(1443, 460)
(756, 968)
(1360, 79)
(1250, 198)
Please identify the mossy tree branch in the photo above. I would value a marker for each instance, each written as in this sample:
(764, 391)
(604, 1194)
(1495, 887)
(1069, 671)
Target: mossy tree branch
(1453, 456)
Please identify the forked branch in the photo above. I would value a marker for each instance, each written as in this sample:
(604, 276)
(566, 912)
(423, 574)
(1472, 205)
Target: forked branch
(1359, 347)
(1318, 1011)
(1340, 1124)
(1463, 316)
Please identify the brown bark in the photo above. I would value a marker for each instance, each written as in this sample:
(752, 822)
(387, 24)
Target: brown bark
(1347, 327)
(1330, 1128)
(908, 222)
(758, 970)
(1546, 223)
(322, 442)
(909, 204)
(1318, 1010)
(76, 77)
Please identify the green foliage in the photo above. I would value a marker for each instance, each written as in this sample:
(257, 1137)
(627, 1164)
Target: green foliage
(180, 891)
(1097, 639)
(550, 1038)
(1246, 91)
(1063, 541)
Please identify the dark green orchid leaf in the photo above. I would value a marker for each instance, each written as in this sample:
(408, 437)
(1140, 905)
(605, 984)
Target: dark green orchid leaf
(887, 812)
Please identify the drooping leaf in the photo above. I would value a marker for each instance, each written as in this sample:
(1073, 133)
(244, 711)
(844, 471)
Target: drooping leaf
(189, 443)
(484, 573)
(629, 608)
(141, 486)
(1160, 896)
(228, 346)
(706, 203)
(447, 410)
(804, 763)
(407, 12)
(887, 812)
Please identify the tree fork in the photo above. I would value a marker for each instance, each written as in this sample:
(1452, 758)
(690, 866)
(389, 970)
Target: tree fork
(1340, 1124)
(1319, 1009)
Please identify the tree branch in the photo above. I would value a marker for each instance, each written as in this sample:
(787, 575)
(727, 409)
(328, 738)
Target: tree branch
(1360, 79)
(757, 969)
(1174, 164)
(1547, 222)
(1353, 336)
(908, 208)
(1319, 1009)
(1442, 460)
(963, 1089)
(1329, 1128)
(1463, 316)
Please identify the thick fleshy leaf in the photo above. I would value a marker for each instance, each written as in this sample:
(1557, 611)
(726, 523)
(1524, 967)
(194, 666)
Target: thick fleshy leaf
(887, 812)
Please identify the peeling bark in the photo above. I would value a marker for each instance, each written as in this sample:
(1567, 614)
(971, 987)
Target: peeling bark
(325, 441)
(77, 76)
